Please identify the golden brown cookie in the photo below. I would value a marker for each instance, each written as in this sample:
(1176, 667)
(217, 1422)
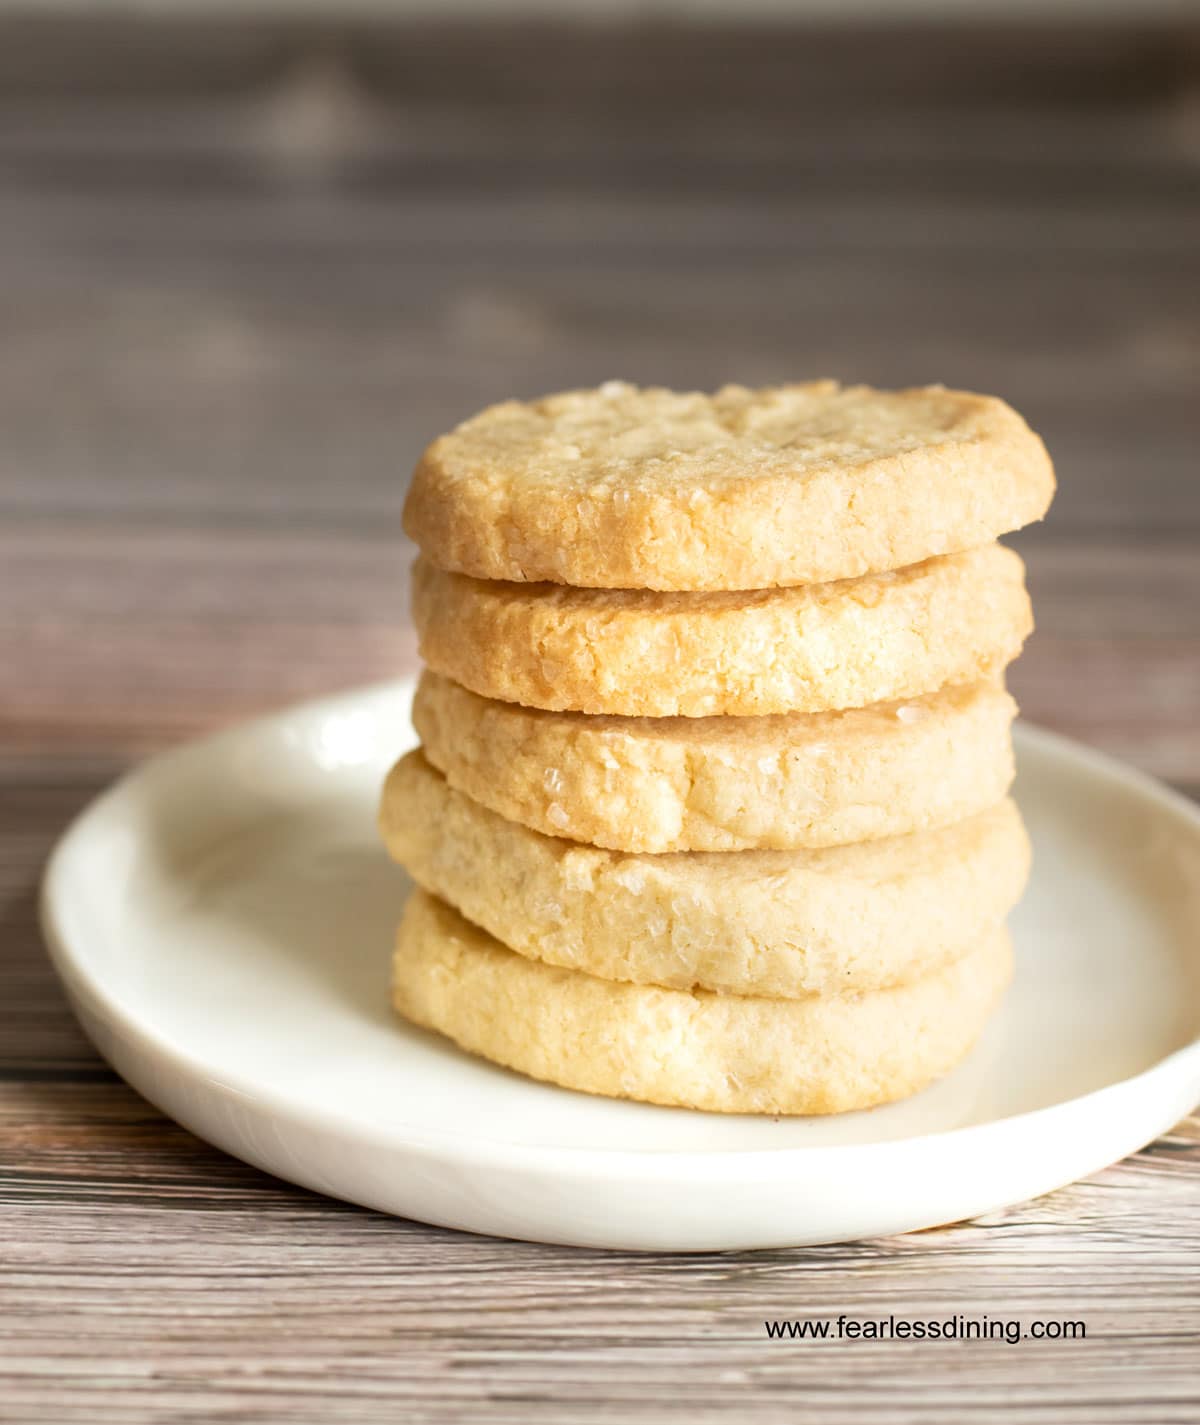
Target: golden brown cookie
(783, 923)
(718, 1052)
(621, 488)
(721, 783)
(957, 619)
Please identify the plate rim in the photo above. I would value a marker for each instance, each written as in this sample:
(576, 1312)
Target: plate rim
(447, 1145)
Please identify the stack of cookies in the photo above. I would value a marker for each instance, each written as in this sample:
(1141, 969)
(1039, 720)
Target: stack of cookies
(712, 804)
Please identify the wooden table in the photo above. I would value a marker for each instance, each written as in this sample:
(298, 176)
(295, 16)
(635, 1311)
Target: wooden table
(244, 274)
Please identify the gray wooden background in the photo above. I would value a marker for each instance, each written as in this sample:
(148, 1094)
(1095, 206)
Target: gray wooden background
(246, 270)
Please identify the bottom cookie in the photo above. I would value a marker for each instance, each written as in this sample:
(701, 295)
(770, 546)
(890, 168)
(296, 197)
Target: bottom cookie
(692, 1049)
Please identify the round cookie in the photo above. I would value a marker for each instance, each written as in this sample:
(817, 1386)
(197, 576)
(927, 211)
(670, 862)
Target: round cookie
(621, 488)
(724, 784)
(635, 653)
(780, 923)
(717, 1052)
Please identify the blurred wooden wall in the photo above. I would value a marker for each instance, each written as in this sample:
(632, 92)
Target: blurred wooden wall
(247, 270)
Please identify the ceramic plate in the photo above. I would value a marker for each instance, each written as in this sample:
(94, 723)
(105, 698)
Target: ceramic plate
(222, 920)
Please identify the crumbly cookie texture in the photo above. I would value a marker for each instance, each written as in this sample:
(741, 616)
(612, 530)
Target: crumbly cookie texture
(722, 1053)
(622, 488)
(776, 923)
(724, 784)
(635, 653)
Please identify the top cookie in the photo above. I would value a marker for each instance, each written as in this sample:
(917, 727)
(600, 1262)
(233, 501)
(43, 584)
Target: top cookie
(628, 488)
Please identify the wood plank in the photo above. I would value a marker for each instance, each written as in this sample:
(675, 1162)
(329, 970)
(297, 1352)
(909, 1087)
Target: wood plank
(256, 300)
(285, 364)
(649, 63)
(146, 1275)
(38, 1033)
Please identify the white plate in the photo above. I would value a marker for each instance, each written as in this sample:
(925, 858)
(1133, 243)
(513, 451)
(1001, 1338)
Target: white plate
(222, 920)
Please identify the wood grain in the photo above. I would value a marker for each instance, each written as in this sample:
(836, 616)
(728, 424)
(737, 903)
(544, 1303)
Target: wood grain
(246, 270)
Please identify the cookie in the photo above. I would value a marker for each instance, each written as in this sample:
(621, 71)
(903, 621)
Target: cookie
(957, 619)
(722, 1053)
(781, 923)
(621, 488)
(724, 784)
